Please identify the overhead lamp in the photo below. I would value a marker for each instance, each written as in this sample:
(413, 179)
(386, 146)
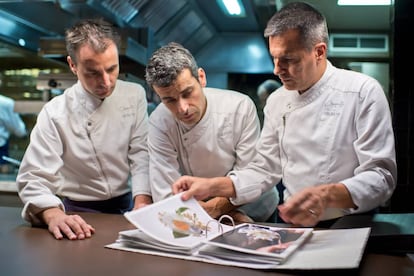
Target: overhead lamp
(364, 2)
(21, 42)
(233, 8)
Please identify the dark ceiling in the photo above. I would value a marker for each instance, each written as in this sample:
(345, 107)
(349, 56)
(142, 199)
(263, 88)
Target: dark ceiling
(216, 40)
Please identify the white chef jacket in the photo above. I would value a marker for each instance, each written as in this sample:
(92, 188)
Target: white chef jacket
(10, 121)
(223, 140)
(340, 130)
(86, 149)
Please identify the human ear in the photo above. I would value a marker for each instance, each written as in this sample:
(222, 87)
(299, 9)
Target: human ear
(72, 65)
(320, 50)
(202, 78)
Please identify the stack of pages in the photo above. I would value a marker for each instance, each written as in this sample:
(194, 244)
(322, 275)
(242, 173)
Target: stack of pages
(182, 229)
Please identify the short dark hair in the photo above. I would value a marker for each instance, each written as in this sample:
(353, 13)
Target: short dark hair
(167, 63)
(95, 32)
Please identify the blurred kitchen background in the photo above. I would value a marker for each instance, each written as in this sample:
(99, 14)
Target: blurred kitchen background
(231, 49)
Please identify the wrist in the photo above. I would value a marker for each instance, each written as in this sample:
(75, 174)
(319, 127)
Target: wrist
(336, 195)
(223, 186)
(146, 199)
(48, 214)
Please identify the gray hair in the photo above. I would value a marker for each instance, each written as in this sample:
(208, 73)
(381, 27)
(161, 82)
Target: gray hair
(167, 63)
(303, 17)
(95, 32)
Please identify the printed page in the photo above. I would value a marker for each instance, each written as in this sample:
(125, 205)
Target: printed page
(262, 241)
(326, 249)
(176, 222)
(137, 239)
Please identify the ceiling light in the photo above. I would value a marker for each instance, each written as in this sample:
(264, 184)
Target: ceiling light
(232, 8)
(22, 42)
(364, 2)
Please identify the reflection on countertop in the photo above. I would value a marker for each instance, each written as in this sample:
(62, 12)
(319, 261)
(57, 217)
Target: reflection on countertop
(8, 177)
(8, 182)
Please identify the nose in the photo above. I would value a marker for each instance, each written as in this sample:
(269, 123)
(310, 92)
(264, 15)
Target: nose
(106, 79)
(182, 106)
(277, 68)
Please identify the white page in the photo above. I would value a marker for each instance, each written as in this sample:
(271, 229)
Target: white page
(159, 221)
(330, 249)
(326, 249)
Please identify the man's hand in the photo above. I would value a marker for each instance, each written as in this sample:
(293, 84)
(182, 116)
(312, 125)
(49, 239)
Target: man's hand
(203, 188)
(304, 208)
(196, 187)
(72, 226)
(307, 207)
(142, 201)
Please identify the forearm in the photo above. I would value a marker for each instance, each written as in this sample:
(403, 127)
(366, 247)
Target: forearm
(222, 186)
(204, 188)
(47, 215)
(309, 206)
(336, 195)
(141, 201)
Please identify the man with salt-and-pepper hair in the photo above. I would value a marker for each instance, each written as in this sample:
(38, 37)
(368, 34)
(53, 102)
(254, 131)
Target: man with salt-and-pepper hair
(327, 132)
(88, 142)
(200, 131)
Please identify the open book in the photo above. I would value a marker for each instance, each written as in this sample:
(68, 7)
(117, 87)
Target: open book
(184, 227)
